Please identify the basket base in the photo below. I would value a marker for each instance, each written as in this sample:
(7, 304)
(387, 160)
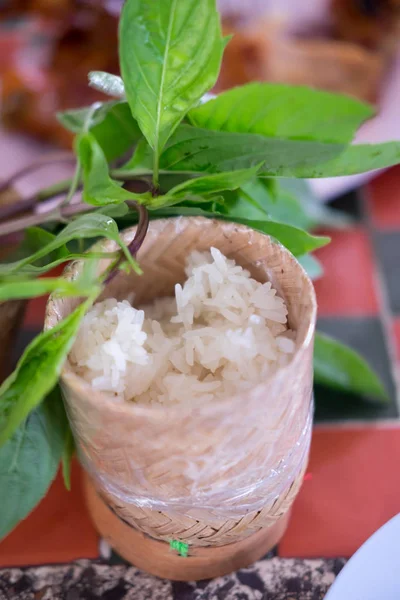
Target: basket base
(155, 557)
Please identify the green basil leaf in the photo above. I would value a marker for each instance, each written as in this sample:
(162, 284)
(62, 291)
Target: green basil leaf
(37, 371)
(343, 368)
(33, 271)
(358, 158)
(297, 241)
(245, 203)
(293, 203)
(317, 213)
(75, 119)
(140, 161)
(118, 132)
(285, 208)
(255, 201)
(311, 265)
(28, 288)
(87, 226)
(29, 462)
(109, 84)
(96, 225)
(113, 126)
(67, 455)
(114, 210)
(283, 111)
(202, 150)
(203, 187)
(170, 55)
(98, 187)
(36, 238)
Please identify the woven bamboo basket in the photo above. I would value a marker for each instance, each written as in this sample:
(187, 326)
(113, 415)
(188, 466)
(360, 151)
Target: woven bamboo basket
(11, 313)
(222, 476)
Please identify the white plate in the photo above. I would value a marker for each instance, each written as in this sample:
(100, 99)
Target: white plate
(383, 128)
(373, 573)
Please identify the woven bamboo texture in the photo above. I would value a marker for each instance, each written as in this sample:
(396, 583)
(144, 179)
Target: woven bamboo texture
(214, 474)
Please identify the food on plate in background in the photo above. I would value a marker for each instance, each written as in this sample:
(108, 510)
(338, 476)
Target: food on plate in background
(49, 71)
(352, 56)
(263, 51)
(48, 7)
(371, 23)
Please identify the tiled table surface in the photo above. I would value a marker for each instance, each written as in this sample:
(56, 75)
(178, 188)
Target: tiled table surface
(352, 487)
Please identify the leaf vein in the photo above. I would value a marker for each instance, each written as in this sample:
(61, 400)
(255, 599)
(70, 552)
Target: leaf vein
(164, 71)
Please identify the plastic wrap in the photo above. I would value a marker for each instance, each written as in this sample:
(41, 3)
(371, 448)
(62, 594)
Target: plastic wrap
(224, 483)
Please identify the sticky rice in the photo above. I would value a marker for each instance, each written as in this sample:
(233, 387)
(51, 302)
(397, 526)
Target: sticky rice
(222, 333)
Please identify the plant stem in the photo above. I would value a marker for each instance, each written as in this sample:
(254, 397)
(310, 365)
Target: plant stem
(132, 174)
(74, 185)
(75, 182)
(70, 186)
(63, 186)
(52, 191)
(39, 219)
(138, 239)
(156, 168)
(142, 227)
(49, 193)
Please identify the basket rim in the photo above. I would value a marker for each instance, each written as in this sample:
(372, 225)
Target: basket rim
(159, 411)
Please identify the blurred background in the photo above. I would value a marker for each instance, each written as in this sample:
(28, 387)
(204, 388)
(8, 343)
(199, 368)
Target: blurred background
(48, 47)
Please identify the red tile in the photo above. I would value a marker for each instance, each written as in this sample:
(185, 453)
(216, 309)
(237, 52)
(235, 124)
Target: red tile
(10, 42)
(384, 199)
(34, 314)
(347, 286)
(396, 331)
(354, 490)
(58, 530)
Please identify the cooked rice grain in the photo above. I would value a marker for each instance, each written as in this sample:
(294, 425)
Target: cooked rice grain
(222, 333)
